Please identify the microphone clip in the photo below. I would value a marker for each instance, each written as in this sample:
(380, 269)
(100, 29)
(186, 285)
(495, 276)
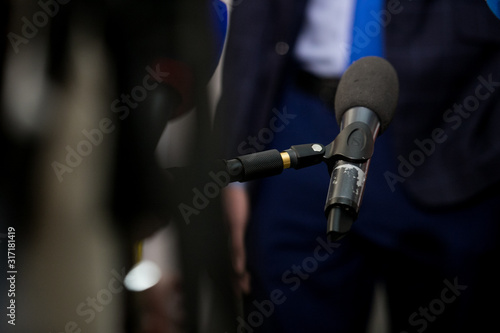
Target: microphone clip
(353, 144)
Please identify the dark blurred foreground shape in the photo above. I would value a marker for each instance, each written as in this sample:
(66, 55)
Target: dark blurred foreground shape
(81, 182)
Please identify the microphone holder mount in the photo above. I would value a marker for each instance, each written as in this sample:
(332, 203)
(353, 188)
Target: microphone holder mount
(354, 144)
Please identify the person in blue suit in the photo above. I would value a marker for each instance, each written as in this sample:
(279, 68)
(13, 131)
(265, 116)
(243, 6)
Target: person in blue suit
(428, 227)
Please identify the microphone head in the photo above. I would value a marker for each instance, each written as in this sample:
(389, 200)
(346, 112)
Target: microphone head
(370, 82)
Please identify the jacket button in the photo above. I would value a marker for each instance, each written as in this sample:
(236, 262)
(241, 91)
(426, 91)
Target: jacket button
(281, 48)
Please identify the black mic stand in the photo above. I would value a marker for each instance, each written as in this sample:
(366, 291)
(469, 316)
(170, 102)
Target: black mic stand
(353, 145)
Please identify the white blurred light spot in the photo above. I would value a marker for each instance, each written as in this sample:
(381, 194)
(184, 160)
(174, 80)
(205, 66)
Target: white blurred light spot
(142, 276)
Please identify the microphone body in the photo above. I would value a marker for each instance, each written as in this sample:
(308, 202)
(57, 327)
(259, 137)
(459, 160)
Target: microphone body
(365, 103)
(359, 128)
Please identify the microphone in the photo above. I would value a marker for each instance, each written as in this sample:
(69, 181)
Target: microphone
(365, 103)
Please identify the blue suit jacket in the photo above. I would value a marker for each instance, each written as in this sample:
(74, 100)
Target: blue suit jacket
(447, 55)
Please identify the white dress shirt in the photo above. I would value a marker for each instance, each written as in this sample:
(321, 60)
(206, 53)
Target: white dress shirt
(324, 45)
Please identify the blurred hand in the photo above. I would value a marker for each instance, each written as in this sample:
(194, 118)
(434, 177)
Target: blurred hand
(236, 206)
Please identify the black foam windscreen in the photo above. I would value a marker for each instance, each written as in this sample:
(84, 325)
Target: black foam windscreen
(370, 82)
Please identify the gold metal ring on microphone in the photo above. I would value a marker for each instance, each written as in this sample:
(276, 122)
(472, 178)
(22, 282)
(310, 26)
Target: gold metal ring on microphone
(286, 160)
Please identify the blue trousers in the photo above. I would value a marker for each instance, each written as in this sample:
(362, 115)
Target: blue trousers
(438, 267)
